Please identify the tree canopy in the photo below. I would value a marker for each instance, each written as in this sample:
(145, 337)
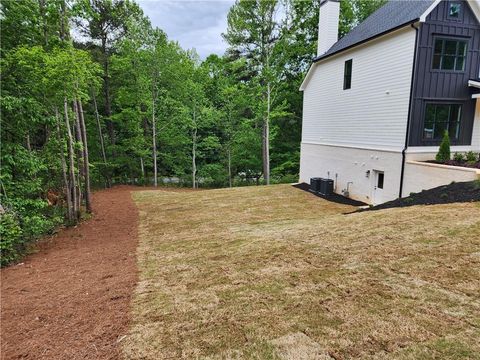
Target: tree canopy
(93, 96)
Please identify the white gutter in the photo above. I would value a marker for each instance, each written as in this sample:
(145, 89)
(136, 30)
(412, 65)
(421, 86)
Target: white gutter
(474, 83)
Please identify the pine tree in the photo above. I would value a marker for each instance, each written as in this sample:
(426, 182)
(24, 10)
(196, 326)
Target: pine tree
(443, 154)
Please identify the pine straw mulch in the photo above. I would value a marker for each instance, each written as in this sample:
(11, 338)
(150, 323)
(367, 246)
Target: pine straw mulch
(71, 299)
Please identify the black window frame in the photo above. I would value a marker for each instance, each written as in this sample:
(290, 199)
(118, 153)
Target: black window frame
(443, 53)
(347, 74)
(460, 12)
(433, 139)
(380, 180)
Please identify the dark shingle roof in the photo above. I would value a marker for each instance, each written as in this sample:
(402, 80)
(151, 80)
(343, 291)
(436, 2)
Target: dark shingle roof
(392, 15)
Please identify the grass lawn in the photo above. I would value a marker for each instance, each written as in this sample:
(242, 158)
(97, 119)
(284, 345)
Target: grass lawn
(277, 273)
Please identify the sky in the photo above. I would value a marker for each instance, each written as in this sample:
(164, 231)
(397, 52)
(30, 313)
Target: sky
(195, 24)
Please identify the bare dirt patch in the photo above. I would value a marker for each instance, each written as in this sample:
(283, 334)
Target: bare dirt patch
(241, 273)
(71, 300)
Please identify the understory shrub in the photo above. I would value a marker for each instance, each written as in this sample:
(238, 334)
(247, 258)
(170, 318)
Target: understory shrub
(471, 157)
(458, 157)
(443, 154)
(11, 244)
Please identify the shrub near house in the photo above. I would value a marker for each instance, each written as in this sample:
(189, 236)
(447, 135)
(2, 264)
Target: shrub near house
(470, 159)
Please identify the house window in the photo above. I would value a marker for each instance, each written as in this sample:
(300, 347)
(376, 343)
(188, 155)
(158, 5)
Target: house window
(454, 10)
(440, 118)
(449, 54)
(380, 180)
(347, 75)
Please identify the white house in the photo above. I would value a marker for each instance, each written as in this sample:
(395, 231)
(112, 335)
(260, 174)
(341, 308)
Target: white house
(377, 101)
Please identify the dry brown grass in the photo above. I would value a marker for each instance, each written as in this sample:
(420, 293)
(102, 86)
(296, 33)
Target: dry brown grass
(276, 273)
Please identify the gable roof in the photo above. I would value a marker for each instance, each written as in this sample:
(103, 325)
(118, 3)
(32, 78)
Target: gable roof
(391, 16)
(394, 15)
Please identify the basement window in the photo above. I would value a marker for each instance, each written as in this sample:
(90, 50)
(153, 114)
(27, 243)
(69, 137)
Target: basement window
(347, 75)
(440, 118)
(449, 54)
(380, 180)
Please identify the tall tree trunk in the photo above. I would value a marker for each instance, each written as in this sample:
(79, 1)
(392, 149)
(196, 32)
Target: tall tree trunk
(66, 189)
(106, 89)
(28, 144)
(99, 127)
(194, 150)
(71, 163)
(86, 169)
(100, 135)
(78, 139)
(63, 21)
(154, 144)
(41, 6)
(142, 168)
(229, 157)
(266, 139)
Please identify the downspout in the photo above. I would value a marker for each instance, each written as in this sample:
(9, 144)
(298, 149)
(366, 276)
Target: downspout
(410, 105)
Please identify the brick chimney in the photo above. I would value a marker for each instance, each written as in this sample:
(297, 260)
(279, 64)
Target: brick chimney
(328, 25)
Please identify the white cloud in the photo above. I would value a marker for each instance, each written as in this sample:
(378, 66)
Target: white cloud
(193, 23)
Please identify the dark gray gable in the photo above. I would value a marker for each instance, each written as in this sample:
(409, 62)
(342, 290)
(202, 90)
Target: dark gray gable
(443, 86)
(391, 16)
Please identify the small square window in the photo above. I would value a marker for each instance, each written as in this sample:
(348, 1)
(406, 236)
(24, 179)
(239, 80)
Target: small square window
(449, 54)
(454, 10)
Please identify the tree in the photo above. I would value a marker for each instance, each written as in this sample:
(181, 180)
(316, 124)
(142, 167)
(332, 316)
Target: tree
(253, 32)
(105, 22)
(353, 12)
(443, 154)
(163, 111)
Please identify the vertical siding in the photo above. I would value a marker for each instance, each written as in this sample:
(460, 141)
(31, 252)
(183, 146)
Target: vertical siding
(373, 113)
(445, 86)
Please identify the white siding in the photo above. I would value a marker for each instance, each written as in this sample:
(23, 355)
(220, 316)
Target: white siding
(373, 113)
(476, 128)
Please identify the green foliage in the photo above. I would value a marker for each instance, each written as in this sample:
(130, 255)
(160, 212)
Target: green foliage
(458, 157)
(443, 154)
(11, 241)
(353, 12)
(408, 200)
(208, 116)
(471, 157)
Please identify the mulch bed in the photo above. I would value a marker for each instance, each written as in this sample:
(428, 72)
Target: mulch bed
(474, 165)
(71, 300)
(336, 198)
(447, 194)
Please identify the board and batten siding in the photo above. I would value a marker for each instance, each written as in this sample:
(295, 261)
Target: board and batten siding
(373, 113)
(443, 86)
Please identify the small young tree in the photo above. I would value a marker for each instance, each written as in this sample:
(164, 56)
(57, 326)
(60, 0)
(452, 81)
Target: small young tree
(444, 150)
